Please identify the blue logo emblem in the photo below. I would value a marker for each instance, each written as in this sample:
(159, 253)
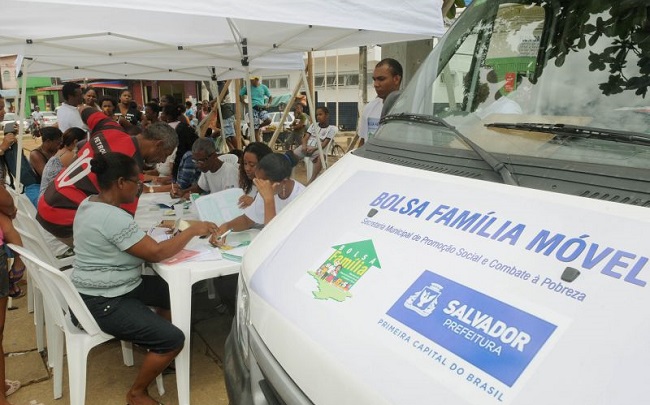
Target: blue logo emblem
(490, 334)
(424, 301)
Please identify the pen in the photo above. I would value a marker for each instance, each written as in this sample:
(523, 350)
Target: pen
(220, 237)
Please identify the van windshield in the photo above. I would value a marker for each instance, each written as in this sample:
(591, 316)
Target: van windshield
(563, 80)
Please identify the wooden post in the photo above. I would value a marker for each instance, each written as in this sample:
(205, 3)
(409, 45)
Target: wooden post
(285, 112)
(310, 81)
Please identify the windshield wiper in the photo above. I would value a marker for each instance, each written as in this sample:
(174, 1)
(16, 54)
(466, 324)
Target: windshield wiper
(568, 131)
(496, 165)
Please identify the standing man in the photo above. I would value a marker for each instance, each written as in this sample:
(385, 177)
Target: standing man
(37, 116)
(386, 78)
(261, 99)
(68, 115)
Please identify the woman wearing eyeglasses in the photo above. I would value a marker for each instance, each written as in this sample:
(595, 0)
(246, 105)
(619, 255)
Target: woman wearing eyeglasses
(110, 249)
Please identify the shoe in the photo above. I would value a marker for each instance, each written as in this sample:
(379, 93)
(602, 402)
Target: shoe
(67, 253)
(15, 275)
(13, 387)
(15, 291)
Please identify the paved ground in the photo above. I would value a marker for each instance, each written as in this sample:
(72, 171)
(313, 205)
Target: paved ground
(108, 379)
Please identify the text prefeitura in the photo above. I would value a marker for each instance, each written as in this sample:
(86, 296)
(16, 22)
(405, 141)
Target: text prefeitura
(579, 250)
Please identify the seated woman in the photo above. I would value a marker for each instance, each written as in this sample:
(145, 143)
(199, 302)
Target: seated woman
(184, 172)
(38, 158)
(9, 155)
(110, 249)
(253, 153)
(275, 189)
(62, 159)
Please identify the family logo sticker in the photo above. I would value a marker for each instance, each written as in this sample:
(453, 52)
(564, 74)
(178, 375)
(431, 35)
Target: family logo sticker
(494, 336)
(343, 269)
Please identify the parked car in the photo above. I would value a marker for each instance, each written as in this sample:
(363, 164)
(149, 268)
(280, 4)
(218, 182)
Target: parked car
(13, 117)
(487, 245)
(49, 118)
(275, 121)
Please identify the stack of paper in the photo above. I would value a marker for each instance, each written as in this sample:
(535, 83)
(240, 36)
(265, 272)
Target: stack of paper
(219, 207)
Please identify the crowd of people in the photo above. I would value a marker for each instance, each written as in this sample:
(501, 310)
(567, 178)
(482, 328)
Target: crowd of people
(89, 171)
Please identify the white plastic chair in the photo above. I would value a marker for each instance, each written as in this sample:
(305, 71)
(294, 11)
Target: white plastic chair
(61, 297)
(309, 165)
(27, 210)
(30, 232)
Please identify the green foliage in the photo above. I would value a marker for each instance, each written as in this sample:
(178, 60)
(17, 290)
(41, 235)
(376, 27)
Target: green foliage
(626, 23)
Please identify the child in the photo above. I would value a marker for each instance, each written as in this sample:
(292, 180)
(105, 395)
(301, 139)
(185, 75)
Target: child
(319, 132)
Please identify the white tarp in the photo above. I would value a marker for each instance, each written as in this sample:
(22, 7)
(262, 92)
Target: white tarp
(165, 40)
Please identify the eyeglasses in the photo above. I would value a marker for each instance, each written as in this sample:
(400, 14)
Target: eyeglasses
(203, 161)
(140, 186)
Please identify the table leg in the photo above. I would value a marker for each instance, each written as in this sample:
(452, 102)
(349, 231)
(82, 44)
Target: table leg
(181, 306)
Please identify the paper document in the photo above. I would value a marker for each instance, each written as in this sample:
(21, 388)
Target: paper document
(220, 207)
(237, 244)
(181, 256)
(160, 234)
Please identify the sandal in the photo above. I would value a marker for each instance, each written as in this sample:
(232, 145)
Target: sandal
(15, 275)
(13, 387)
(15, 291)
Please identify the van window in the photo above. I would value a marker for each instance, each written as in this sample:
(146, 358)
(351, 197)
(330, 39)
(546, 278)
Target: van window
(560, 80)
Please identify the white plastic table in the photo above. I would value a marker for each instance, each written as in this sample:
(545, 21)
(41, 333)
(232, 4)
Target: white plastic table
(181, 277)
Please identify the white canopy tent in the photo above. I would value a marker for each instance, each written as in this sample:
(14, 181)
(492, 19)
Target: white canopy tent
(212, 39)
(215, 39)
(166, 40)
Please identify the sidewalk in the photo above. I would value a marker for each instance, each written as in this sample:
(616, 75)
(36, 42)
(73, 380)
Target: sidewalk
(108, 379)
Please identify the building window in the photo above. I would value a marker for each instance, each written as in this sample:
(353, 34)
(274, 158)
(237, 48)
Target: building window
(276, 82)
(6, 76)
(344, 79)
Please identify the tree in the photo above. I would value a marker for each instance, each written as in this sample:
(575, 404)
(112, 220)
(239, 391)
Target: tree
(625, 22)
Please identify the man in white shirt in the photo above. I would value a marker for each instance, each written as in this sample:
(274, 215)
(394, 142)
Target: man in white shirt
(386, 78)
(37, 116)
(217, 174)
(68, 115)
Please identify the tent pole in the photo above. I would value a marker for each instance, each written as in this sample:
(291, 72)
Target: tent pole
(251, 123)
(242, 44)
(337, 89)
(312, 112)
(21, 126)
(238, 114)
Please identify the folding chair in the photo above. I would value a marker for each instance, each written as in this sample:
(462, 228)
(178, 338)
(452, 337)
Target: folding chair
(309, 165)
(62, 298)
(32, 236)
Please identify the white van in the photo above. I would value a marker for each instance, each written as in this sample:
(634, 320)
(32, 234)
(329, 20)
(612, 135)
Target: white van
(489, 245)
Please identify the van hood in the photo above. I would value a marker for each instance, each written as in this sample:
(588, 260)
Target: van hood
(396, 285)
